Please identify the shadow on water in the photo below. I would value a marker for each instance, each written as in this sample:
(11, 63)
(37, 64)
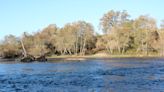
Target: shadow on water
(94, 75)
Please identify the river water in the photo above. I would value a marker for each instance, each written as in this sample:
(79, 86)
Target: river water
(93, 75)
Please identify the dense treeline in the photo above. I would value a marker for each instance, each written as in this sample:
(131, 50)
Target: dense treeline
(122, 35)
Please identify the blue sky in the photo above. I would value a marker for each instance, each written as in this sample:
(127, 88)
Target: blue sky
(17, 16)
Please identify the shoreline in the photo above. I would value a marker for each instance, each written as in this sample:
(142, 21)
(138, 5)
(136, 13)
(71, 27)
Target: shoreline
(86, 57)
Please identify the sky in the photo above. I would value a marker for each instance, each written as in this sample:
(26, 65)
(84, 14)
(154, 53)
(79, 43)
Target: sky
(18, 16)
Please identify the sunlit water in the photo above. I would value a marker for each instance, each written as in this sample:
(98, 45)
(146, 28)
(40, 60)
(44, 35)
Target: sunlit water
(95, 75)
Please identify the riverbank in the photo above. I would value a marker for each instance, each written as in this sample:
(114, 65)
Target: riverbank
(98, 56)
(55, 58)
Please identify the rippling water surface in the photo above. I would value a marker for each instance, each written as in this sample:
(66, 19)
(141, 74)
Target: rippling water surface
(94, 75)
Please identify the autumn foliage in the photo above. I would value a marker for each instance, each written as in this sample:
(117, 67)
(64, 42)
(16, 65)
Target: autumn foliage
(121, 35)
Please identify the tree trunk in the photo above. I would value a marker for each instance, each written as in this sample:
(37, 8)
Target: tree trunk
(69, 51)
(146, 49)
(24, 50)
(81, 45)
(111, 50)
(61, 52)
(108, 49)
(119, 49)
(147, 42)
(83, 50)
(162, 49)
(65, 50)
(76, 46)
(142, 47)
(123, 50)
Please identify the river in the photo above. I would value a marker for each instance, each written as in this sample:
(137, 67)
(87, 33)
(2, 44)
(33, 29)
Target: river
(92, 75)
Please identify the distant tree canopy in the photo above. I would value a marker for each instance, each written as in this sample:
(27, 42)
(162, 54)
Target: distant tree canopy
(10, 47)
(122, 35)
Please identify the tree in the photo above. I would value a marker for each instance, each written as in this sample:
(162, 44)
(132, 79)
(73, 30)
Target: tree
(10, 47)
(162, 24)
(85, 34)
(120, 35)
(41, 42)
(161, 42)
(48, 36)
(144, 26)
(125, 36)
(65, 39)
(112, 20)
(116, 26)
(101, 43)
(75, 38)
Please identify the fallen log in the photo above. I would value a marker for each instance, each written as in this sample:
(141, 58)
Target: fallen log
(30, 58)
(41, 58)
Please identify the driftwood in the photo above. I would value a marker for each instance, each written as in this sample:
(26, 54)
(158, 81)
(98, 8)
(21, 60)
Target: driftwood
(29, 58)
(41, 58)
